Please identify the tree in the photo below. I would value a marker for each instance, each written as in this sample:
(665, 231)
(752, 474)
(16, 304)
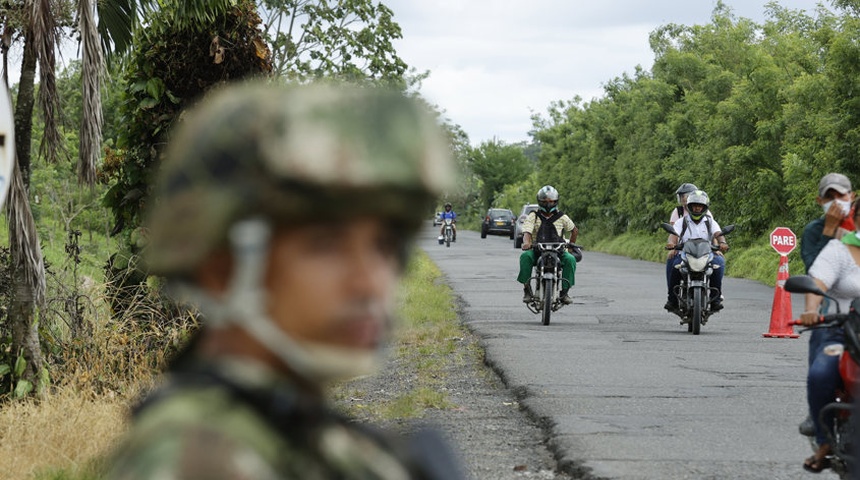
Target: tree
(753, 114)
(36, 22)
(348, 39)
(175, 60)
(497, 165)
(172, 63)
(38, 25)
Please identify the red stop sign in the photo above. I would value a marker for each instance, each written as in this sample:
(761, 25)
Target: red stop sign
(783, 240)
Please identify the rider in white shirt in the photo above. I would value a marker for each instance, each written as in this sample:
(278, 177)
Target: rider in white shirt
(696, 223)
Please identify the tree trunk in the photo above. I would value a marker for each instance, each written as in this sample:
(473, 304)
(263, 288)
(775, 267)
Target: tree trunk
(28, 268)
(24, 109)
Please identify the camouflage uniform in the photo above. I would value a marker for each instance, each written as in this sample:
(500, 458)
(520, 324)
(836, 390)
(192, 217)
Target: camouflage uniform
(252, 423)
(278, 153)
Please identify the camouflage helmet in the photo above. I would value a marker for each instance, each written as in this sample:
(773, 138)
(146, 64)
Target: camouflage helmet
(292, 155)
(547, 198)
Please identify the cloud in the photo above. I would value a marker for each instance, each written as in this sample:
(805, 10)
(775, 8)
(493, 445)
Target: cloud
(493, 63)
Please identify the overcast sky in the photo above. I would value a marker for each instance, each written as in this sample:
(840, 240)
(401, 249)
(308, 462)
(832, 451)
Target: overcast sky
(493, 63)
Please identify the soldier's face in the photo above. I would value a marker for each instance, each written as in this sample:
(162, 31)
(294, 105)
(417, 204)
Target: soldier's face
(334, 283)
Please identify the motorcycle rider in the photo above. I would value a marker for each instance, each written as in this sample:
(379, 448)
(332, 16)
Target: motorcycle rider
(681, 195)
(291, 300)
(836, 270)
(696, 223)
(449, 213)
(835, 196)
(547, 224)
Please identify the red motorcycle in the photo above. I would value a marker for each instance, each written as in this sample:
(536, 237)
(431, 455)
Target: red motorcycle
(843, 430)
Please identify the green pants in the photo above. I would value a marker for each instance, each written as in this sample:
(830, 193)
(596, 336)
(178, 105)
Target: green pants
(568, 268)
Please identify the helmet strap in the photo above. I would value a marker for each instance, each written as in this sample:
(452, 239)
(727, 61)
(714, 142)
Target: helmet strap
(244, 305)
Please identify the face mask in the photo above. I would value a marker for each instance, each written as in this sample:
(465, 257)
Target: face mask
(844, 204)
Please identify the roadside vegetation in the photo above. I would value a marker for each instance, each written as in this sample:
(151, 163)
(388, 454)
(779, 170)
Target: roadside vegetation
(423, 351)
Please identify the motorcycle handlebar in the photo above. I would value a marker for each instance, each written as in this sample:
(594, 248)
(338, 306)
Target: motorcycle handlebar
(553, 246)
(680, 246)
(824, 321)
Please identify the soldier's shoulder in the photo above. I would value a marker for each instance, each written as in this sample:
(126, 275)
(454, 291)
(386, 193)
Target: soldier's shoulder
(198, 431)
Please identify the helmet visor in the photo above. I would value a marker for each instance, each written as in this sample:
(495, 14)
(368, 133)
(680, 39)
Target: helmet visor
(548, 205)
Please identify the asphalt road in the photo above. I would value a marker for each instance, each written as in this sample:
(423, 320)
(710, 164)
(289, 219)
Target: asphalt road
(625, 390)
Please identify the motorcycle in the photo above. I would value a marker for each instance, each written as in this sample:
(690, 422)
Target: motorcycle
(547, 281)
(842, 430)
(695, 293)
(447, 232)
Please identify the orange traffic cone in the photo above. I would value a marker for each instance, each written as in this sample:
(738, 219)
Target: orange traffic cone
(780, 314)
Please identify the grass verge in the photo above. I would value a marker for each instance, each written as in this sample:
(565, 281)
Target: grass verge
(424, 350)
(756, 262)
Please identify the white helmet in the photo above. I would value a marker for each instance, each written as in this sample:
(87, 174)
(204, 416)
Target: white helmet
(698, 197)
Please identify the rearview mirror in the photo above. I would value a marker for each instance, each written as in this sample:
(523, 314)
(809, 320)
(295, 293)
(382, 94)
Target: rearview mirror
(803, 284)
(668, 227)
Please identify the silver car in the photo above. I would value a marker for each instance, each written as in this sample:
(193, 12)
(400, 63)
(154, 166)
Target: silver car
(518, 230)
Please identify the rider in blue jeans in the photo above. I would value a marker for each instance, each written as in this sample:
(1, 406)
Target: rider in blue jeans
(449, 213)
(696, 224)
(834, 196)
(836, 270)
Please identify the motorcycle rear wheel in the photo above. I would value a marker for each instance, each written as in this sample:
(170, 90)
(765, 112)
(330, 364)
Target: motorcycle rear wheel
(547, 300)
(696, 320)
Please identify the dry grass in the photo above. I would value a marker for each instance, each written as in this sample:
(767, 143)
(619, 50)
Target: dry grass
(64, 428)
(96, 374)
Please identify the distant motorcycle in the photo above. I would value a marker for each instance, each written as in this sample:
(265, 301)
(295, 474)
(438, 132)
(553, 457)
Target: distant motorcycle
(695, 293)
(841, 431)
(547, 280)
(447, 232)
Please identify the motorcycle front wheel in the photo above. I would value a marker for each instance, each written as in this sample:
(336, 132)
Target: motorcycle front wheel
(548, 285)
(698, 303)
(448, 238)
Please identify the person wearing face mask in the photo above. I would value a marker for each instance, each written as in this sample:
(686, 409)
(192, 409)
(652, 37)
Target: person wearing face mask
(835, 197)
(836, 270)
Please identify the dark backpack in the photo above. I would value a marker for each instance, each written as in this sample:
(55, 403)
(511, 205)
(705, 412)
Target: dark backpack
(547, 232)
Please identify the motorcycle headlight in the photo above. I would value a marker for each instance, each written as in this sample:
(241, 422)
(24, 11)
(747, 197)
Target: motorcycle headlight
(697, 264)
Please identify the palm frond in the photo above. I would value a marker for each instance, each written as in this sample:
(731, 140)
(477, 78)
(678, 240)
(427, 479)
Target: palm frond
(23, 237)
(92, 71)
(117, 20)
(200, 11)
(47, 37)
